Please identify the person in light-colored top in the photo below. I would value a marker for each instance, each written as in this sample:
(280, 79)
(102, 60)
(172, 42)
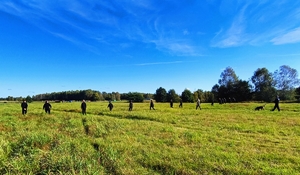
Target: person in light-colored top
(198, 104)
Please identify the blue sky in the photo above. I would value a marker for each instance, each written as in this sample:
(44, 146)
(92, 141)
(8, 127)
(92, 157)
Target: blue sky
(141, 45)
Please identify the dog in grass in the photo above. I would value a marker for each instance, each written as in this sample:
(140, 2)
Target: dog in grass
(260, 107)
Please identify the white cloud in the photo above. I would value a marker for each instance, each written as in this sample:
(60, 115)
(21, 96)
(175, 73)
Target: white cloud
(235, 35)
(287, 38)
(177, 47)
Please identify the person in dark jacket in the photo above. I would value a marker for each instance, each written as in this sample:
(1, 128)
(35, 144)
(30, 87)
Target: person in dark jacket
(171, 103)
(151, 105)
(47, 106)
(83, 107)
(130, 105)
(110, 106)
(276, 101)
(180, 103)
(24, 107)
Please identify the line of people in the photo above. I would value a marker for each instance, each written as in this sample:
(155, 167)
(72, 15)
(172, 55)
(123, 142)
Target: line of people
(47, 106)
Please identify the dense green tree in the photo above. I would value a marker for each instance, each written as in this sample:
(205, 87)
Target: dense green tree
(160, 95)
(96, 96)
(208, 97)
(286, 79)
(230, 87)
(297, 90)
(10, 98)
(228, 77)
(205, 96)
(18, 98)
(242, 91)
(105, 96)
(148, 96)
(227, 81)
(263, 85)
(135, 97)
(117, 96)
(113, 96)
(215, 91)
(28, 99)
(88, 95)
(187, 96)
(199, 94)
(223, 92)
(172, 95)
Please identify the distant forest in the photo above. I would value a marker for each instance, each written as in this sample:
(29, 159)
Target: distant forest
(262, 86)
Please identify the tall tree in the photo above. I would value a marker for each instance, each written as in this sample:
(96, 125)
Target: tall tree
(148, 96)
(215, 91)
(96, 96)
(228, 77)
(242, 91)
(135, 97)
(199, 94)
(187, 96)
(88, 94)
(286, 79)
(263, 85)
(172, 95)
(118, 96)
(160, 95)
(29, 99)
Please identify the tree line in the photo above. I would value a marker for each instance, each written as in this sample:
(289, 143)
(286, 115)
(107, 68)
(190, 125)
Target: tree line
(262, 86)
(78, 95)
(92, 95)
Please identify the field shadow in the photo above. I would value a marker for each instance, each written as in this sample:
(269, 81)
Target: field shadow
(106, 159)
(162, 168)
(131, 117)
(73, 110)
(69, 110)
(85, 126)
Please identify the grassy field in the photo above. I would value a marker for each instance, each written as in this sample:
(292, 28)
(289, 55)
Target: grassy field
(219, 139)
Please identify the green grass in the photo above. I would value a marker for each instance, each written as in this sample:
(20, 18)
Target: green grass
(220, 139)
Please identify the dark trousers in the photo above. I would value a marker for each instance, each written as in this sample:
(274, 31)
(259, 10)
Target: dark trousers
(47, 111)
(84, 111)
(24, 111)
(276, 107)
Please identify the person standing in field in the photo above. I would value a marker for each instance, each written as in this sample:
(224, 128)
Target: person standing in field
(151, 105)
(83, 107)
(180, 103)
(276, 101)
(130, 105)
(47, 106)
(171, 103)
(198, 104)
(110, 106)
(24, 107)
